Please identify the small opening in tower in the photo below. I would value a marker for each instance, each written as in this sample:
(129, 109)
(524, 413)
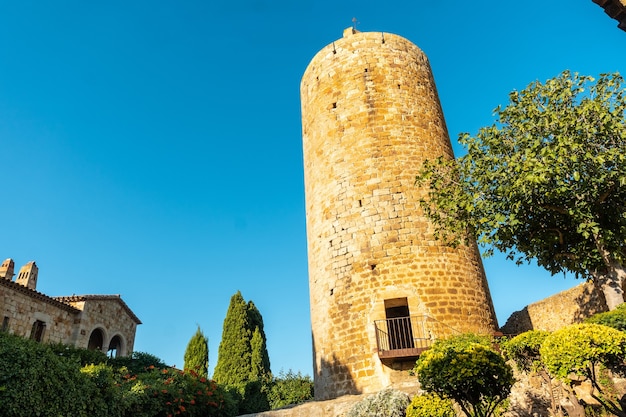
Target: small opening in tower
(373, 266)
(360, 203)
(398, 85)
(334, 105)
(365, 69)
(331, 291)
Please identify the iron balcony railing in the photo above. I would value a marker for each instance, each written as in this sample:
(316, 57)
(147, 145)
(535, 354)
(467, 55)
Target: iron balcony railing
(408, 337)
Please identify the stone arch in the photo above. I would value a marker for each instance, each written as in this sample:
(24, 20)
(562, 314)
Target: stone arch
(96, 339)
(116, 346)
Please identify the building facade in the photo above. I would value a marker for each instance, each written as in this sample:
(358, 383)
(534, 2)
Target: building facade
(97, 322)
(382, 288)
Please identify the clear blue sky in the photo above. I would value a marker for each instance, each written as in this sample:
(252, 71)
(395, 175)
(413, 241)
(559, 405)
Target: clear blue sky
(153, 148)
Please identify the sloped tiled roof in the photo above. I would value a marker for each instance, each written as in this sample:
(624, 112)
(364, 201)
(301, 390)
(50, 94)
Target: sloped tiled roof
(38, 296)
(95, 297)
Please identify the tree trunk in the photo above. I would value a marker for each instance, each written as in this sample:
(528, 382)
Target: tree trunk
(612, 280)
(611, 284)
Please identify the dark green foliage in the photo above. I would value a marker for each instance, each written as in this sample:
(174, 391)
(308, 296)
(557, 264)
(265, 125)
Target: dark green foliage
(430, 405)
(467, 370)
(36, 381)
(197, 354)
(290, 388)
(234, 358)
(81, 356)
(387, 403)
(138, 362)
(615, 319)
(243, 362)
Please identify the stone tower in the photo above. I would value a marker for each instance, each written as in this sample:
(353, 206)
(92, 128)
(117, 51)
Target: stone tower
(7, 268)
(381, 287)
(28, 275)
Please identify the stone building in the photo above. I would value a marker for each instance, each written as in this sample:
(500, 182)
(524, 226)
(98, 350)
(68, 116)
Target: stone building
(382, 288)
(98, 322)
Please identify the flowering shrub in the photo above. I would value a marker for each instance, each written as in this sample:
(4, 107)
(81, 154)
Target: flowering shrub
(171, 392)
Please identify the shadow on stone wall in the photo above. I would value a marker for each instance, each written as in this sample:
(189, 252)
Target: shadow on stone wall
(332, 379)
(567, 307)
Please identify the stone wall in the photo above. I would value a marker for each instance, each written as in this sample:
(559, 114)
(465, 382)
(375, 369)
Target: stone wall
(21, 307)
(550, 314)
(371, 116)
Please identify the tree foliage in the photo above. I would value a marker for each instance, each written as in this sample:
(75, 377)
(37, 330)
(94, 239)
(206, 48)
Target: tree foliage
(467, 370)
(584, 350)
(547, 181)
(615, 319)
(197, 354)
(290, 388)
(523, 349)
(243, 361)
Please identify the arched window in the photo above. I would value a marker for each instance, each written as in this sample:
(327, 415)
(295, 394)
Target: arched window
(115, 347)
(96, 340)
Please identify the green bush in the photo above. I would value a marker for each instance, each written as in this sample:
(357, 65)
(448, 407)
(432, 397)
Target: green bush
(137, 362)
(290, 388)
(430, 405)
(34, 381)
(387, 403)
(615, 318)
(467, 370)
(81, 356)
(523, 349)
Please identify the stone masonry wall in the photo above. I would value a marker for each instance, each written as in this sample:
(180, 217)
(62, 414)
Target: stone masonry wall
(23, 307)
(371, 116)
(109, 316)
(562, 309)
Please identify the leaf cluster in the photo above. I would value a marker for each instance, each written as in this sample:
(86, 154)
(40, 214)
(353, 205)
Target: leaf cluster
(546, 181)
(523, 349)
(430, 405)
(615, 318)
(469, 372)
(290, 388)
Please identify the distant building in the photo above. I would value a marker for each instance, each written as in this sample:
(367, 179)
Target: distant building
(97, 322)
(616, 9)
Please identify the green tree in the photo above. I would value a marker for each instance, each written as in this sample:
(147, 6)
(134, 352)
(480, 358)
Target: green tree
(197, 354)
(547, 181)
(234, 356)
(467, 370)
(290, 388)
(585, 350)
(243, 361)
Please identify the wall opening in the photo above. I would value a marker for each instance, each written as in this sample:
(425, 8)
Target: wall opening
(38, 330)
(115, 347)
(96, 340)
(399, 324)
(5, 323)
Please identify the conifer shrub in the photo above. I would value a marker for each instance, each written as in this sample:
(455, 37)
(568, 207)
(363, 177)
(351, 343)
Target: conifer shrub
(387, 403)
(197, 354)
(430, 405)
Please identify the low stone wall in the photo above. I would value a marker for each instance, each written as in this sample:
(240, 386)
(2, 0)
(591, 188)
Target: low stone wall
(567, 307)
(330, 408)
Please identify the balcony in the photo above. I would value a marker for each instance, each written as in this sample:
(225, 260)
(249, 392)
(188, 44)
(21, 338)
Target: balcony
(408, 337)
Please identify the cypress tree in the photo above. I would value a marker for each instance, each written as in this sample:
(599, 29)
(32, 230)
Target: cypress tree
(260, 360)
(234, 353)
(197, 354)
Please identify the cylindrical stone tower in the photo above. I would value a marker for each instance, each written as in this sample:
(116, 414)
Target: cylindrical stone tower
(381, 286)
